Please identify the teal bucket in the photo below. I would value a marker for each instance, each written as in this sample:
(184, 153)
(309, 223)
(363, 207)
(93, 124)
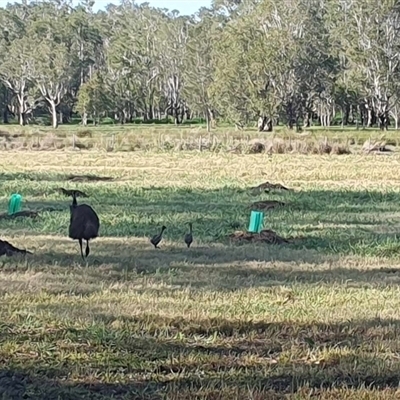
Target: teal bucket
(256, 221)
(14, 204)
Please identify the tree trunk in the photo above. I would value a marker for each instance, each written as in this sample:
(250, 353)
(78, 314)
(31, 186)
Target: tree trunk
(5, 110)
(346, 115)
(53, 114)
(176, 116)
(84, 118)
(209, 119)
(306, 123)
(298, 127)
(21, 116)
(371, 118)
(342, 117)
(265, 124)
(60, 117)
(383, 121)
(5, 115)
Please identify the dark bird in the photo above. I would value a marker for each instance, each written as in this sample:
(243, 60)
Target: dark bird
(156, 239)
(189, 236)
(84, 224)
(71, 192)
(8, 249)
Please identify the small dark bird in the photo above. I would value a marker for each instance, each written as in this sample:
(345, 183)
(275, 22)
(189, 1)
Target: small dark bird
(84, 224)
(156, 239)
(71, 192)
(8, 249)
(189, 236)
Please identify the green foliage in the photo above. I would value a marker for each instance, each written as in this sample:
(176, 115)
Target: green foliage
(296, 60)
(92, 97)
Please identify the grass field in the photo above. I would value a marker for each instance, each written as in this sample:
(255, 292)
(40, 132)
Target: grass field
(316, 318)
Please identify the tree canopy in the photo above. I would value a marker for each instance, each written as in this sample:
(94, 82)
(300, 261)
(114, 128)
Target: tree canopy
(293, 61)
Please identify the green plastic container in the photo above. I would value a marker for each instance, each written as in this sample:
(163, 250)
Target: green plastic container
(256, 221)
(14, 204)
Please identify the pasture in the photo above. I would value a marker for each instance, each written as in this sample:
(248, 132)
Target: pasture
(317, 317)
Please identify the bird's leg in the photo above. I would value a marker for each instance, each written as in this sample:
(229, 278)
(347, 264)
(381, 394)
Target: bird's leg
(80, 245)
(87, 248)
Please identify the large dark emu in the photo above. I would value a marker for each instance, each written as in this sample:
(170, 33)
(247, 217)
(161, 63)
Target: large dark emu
(84, 224)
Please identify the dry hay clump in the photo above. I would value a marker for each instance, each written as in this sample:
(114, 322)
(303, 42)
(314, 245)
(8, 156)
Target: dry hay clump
(290, 146)
(377, 146)
(84, 133)
(265, 236)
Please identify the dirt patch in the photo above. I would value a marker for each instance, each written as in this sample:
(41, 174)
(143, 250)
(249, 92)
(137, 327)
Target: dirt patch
(267, 205)
(265, 236)
(88, 178)
(24, 213)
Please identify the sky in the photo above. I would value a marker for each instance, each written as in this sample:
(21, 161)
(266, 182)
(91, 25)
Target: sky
(185, 7)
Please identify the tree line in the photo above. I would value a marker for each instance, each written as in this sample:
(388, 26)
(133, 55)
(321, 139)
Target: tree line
(297, 62)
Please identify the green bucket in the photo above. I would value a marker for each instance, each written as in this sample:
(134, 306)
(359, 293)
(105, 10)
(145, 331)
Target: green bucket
(256, 221)
(14, 204)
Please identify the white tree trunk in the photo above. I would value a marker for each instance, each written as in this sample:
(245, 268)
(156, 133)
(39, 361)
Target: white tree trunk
(53, 114)
(21, 110)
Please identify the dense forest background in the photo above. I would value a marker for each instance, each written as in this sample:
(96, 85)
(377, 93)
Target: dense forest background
(294, 62)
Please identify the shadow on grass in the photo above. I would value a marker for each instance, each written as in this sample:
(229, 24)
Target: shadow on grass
(219, 267)
(277, 359)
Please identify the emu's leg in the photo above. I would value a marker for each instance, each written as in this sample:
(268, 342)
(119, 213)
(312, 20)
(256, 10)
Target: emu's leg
(80, 245)
(87, 248)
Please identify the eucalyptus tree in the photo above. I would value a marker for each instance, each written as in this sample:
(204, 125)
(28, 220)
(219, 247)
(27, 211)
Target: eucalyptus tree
(16, 49)
(199, 63)
(52, 65)
(371, 42)
(171, 42)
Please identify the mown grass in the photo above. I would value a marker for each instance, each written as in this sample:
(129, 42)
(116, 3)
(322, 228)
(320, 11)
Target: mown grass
(318, 317)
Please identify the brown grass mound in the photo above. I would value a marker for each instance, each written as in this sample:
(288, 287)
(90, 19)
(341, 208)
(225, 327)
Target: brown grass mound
(267, 204)
(267, 186)
(88, 178)
(256, 147)
(71, 192)
(24, 213)
(265, 236)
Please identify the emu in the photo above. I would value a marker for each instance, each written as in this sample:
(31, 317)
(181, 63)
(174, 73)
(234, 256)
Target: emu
(156, 239)
(189, 236)
(84, 224)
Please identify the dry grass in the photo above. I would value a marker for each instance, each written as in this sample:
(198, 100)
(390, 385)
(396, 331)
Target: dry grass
(317, 318)
(171, 139)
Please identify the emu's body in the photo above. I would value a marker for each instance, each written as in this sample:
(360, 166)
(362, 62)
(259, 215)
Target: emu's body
(189, 236)
(84, 224)
(156, 239)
